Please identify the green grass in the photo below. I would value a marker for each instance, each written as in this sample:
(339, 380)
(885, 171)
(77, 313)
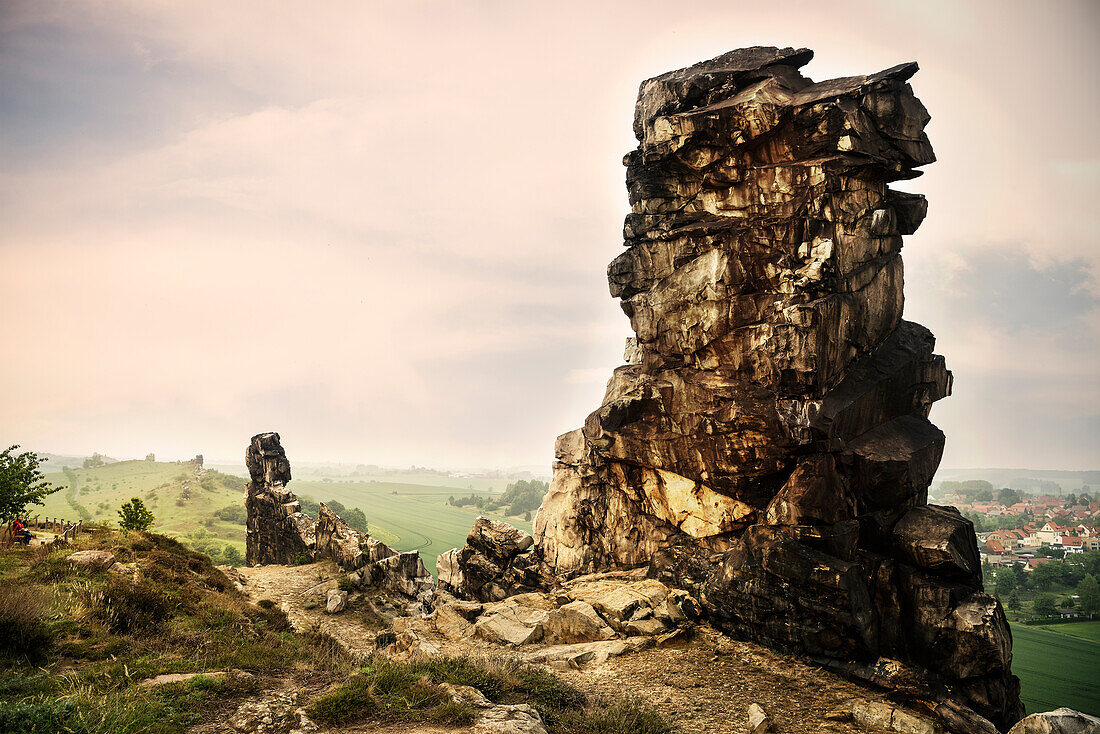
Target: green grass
(386, 691)
(1087, 631)
(1057, 666)
(77, 641)
(181, 505)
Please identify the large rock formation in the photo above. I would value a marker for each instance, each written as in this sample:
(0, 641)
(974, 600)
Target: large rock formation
(767, 446)
(278, 531)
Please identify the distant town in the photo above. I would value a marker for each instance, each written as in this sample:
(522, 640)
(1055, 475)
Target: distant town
(1040, 553)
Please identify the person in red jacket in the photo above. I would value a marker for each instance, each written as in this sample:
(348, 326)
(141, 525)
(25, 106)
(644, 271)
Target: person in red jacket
(19, 532)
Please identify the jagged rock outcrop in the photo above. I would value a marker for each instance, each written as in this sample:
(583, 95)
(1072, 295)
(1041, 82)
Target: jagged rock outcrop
(767, 447)
(278, 531)
(370, 562)
(497, 561)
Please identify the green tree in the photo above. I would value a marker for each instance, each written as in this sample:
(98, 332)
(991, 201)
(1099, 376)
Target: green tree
(1014, 601)
(21, 483)
(134, 515)
(1088, 591)
(1005, 583)
(357, 519)
(1046, 575)
(93, 461)
(233, 556)
(1008, 497)
(1044, 606)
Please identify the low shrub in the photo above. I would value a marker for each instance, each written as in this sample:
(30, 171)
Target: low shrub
(35, 716)
(127, 608)
(614, 716)
(24, 627)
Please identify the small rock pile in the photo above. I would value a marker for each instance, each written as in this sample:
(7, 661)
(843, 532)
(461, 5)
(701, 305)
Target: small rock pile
(583, 622)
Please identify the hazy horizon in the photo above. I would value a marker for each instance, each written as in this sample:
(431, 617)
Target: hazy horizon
(382, 231)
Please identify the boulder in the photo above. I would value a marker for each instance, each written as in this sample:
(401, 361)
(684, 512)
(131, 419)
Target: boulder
(1059, 721)
(94, 560)
(575, 622)
(588, 653)
(518, 620)
(758, 721)
(937, 539)
(337, 601)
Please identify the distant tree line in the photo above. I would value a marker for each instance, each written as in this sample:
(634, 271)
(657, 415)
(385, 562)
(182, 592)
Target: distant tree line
(353, 516)
(1078, 572)
(519, 498)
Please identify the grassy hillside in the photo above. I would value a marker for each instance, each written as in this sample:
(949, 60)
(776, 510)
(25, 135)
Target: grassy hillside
(407, 516)
(1058, 665)
(182, 502)
(76, 642)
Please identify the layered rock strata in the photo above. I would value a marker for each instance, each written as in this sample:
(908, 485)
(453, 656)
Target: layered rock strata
(280, 533)
(370, 562)
(767, 445)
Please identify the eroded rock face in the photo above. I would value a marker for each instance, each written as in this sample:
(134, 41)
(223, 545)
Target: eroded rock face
(278, 531)
(767, 445)
(497, 561)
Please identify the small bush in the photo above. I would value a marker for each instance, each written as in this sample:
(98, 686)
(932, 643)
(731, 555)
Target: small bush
(266, 604)
(24, 630)
(613, 717)
(126, 608)
(36, 716)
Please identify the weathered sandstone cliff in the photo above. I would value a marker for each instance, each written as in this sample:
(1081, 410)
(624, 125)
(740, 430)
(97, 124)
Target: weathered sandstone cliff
(767, 445)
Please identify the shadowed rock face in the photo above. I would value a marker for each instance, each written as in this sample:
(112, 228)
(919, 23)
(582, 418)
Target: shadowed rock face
(767, 446)
(278, 531)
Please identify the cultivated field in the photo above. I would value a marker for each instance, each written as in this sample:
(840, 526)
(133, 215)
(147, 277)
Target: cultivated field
(1058, 665)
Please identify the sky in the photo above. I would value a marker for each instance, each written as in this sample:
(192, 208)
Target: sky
(382, 229)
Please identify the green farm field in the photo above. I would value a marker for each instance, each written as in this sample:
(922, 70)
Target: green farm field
(1058, 665)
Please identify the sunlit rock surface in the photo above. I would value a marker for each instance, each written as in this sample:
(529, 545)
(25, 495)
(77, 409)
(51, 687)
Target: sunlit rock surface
(767, 445)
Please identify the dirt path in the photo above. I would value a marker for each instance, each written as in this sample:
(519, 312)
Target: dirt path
(301, 591)
(707, 685)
